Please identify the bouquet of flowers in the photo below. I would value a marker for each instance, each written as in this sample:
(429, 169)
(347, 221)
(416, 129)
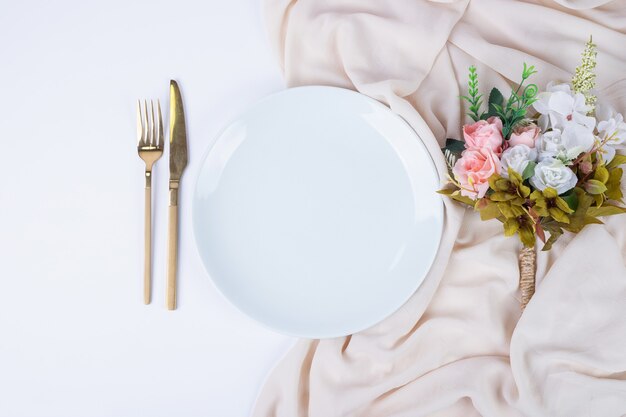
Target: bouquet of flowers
(542, 163)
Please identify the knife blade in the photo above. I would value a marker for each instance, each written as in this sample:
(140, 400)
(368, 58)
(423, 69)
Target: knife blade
(178, 133)
(178, 162)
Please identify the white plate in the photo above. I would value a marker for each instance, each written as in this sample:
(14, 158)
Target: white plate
(315, 212)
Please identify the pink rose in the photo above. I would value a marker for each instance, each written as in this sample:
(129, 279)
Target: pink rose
(484, 134)
(473, 170)
(525, 136)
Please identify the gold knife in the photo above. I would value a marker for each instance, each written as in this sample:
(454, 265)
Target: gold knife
(178, 162)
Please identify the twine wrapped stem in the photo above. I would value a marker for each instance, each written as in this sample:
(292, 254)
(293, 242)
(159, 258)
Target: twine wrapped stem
(527, 270)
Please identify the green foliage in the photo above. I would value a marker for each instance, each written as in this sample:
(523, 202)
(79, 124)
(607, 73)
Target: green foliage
(452, 152)
(606, 210)
(555, 233)
(455, 146)
(495, 99)
(613, 185)
(616, 161)
(548, 204)
(579, 218)
(488, 209)
(473, 97)
(532, 213)
(455, 194)
(514, 110)
(529, 171)
(571, 198)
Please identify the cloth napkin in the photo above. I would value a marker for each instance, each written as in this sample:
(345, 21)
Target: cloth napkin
(461, 346)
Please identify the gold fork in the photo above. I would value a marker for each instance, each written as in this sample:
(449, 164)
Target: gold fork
(150, 149)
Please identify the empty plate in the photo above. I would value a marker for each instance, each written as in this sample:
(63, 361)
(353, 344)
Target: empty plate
(316, 212)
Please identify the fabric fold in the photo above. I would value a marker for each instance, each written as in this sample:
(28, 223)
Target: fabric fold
(460, 346)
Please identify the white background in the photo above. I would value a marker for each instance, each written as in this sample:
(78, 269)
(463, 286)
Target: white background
(75, 337)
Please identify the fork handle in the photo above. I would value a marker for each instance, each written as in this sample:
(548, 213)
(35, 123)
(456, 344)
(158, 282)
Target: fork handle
(147, 263)
(172, 249)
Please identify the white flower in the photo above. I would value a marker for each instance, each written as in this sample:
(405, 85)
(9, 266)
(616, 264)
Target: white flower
(567, 144)
(608, 153)
(554, 174)
(549, 144)
(611, 131)
(611, 125)
(559, 106)
(576, 140)
(517, 158)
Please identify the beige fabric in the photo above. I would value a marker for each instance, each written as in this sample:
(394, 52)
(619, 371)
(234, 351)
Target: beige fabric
(459, 347)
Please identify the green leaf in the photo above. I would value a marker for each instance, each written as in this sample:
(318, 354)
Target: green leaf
(514, 177)
(592, 220)
(599, 198)
(601, 174)
(528, 71)
(463, 199)
(502, 196)
(447, 191)
(571, 199)
(555, 233)
(606, 210)
(558, 215)
(488, 210)
(473, 98)
(617, 161)
(577, 220)
(495, 99)
(613, 185)
(595, 187)
(511, 226)
(455, 146)
(498, 183)
(510, 211)
(550, 192)
(529, 171)
(527, 236)
(506, 210)
(563, 206)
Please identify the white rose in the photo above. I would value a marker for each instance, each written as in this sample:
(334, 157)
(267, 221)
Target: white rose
(567, 144)
(554, 174)
(549, 144)
(517, 158)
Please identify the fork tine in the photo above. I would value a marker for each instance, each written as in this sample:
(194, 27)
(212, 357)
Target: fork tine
(160, 138)
(146, 135)
(153, 128)
(144, 124)
(139, 123)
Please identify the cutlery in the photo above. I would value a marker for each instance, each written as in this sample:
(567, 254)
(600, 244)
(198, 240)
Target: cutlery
(178, 162)
(150, 149)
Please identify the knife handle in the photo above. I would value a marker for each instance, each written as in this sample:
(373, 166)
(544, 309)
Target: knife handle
(172, 250)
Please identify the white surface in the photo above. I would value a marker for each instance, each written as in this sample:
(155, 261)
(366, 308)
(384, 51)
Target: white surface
(316, 212)
(75, 338)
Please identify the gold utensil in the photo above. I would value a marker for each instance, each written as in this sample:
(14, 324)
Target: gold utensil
(178, 162)
(150, 149)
